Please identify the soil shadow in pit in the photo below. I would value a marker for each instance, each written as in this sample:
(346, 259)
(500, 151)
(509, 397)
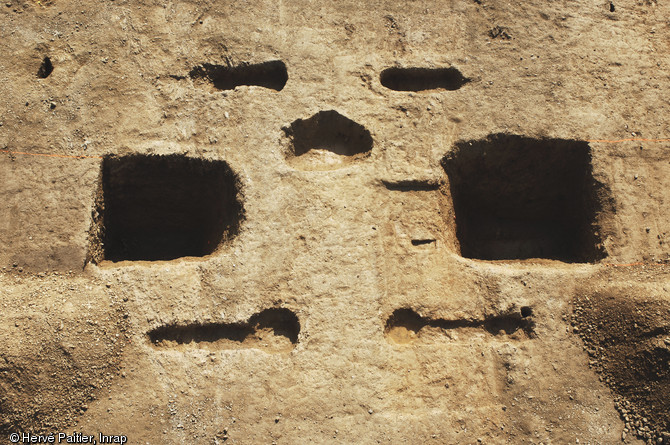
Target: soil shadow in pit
(517, 198)
(164, 207)
(271, 74)
(326, 141)
(419, 79)
(272, 330)
(628, 339)
(406, 326)
(45, 69)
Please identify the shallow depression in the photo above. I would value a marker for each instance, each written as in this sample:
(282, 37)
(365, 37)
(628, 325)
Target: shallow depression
(326, 141)
(406, 326)
(272, 330)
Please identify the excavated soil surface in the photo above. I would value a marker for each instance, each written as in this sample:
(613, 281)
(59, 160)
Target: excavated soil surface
(335, 222)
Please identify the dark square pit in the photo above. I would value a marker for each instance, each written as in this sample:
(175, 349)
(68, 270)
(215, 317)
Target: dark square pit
(166, 207)
(517, 198)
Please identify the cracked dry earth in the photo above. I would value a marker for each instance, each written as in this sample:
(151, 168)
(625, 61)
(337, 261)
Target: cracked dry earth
(335, 222)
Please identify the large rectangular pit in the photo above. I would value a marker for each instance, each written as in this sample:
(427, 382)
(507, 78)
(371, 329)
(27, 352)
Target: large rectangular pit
(166, 207)
(517, 197)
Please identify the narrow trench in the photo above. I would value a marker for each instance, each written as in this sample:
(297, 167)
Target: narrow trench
(405, 325)
(419, 79)
(273, 330)
(271, 74)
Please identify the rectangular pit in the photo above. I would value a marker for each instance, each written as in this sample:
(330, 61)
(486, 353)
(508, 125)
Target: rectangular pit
(518, 198)
(166, 207)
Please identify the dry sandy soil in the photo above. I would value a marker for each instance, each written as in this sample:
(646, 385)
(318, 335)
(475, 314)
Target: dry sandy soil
(335, 222)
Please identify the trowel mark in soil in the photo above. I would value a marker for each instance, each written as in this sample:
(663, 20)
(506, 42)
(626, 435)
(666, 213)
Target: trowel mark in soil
(418, 79)
(45, 68)
(517, 197)
(411, 185)
(272, 74)
(405, 325)
(165, 207)
(273, 330)
(423, 241)
(326, 141)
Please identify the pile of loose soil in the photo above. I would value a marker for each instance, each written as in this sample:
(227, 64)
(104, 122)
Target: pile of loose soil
(628, 340)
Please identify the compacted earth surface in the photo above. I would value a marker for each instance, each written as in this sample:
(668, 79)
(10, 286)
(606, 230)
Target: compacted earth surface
(335, 222)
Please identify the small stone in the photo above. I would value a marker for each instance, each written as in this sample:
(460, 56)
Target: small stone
(370, 411)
